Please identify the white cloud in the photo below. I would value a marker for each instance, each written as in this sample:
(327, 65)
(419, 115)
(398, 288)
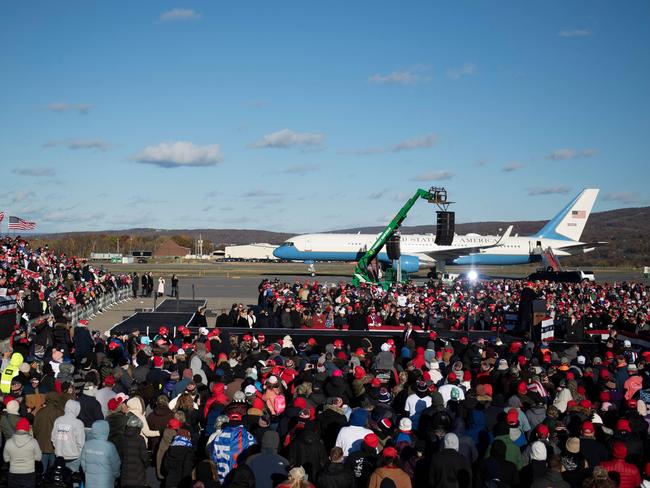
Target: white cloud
(548, 190)
(421, 142)
(509, 168)
(567, 153)
(301, 169)
(79, 144)
(403, 77)
(260, 193)
(179, 154)
(625, 197)
(20, 196)
(81, 108)
(575, 33)
(287, 138)
(466, 69)
(179, 14)
(434, 176)
(35, 172)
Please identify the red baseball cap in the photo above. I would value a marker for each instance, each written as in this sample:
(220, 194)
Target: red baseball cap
(542, 431)
(619, 450)
(109, 380)
(389, 452)
(371, 440)
(22, 424)
(512, 417)
(158, 361)
(624, 425)
(587, 428)
(174, 424)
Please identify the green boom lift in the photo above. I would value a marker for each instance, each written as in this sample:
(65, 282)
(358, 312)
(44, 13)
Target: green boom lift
(362, 273)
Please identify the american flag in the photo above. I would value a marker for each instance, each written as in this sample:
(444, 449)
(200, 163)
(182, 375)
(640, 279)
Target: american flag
(16, 223)
(2, 216)
(579, 214)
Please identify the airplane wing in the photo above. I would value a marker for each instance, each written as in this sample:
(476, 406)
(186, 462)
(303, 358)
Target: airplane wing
(582, 247)
(447, 253)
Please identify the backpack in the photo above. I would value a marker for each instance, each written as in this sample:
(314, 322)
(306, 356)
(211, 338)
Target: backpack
(279, 404)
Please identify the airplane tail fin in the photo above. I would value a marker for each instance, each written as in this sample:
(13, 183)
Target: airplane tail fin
(569, 223)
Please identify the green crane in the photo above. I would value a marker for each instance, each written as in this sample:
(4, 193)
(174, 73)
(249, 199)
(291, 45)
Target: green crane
(361, 272)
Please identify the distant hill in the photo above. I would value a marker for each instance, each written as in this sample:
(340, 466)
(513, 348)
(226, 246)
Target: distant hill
(626, 230)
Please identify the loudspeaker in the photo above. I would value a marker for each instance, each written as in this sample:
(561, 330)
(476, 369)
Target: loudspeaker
(445, 228)
(393, 247)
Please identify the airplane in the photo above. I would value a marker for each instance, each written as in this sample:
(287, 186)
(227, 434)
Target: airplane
(561, 235)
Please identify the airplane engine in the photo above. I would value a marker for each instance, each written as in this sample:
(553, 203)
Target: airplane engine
(410, 264)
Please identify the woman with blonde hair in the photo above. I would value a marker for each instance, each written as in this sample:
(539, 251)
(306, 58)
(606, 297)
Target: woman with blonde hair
(297, 479)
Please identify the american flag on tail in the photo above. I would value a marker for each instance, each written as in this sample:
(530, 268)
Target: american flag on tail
(578, 214)
(16, 223)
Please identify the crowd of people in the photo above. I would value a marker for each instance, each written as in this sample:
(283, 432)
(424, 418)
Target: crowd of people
(464, 305)
(48, 285)
(211, 407)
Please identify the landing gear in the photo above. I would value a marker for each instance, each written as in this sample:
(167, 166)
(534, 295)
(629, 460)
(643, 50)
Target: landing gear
(311, 269)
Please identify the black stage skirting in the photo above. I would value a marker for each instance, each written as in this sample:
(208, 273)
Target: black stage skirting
(173, 305)
(152, 321)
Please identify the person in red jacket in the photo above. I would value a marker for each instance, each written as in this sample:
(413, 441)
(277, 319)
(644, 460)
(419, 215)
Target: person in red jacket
(627, 472)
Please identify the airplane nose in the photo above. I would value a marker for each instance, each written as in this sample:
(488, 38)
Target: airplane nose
(280, 252)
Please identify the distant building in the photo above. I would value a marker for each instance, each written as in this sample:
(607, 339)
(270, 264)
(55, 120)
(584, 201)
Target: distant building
(170, 249)
(256, 251)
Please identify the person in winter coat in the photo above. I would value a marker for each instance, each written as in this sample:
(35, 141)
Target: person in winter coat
(331, 421)
(91, 410)
(179, 461)
(449, 468)
(83, 341)
(68, 435)
(363, 462)
(43, 425)
(21, 451)
(165, 441)
(350, 438)
(628, 473)
(160, 415)
(297, 479)
(9, 419)
(389, 470)
(497, 468)
(335, 474)
(136, 407)
(99, 458)
(307, 450)
(513, 453)
(133, 452)
(268, 466)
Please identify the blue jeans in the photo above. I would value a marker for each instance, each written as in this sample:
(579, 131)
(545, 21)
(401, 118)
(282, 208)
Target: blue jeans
(47, 460)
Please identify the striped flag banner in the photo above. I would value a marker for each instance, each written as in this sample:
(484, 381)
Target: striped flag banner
(2, 216)
(16, 223)
(578, 214)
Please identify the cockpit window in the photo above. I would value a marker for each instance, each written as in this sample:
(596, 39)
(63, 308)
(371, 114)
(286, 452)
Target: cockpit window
(288, 244)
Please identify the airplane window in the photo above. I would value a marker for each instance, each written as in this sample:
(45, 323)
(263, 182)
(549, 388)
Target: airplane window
(288, 244)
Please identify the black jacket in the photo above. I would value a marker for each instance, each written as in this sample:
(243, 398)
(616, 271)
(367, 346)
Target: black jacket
(91, 410)
(133, 453)
(177, 467)
(335, 475)
(449, 469)
(330, 422)
(363, 463)
(307, 450)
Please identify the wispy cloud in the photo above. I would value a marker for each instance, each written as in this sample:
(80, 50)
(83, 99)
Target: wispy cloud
(376, 195)
(548, 190)
(409, 76)
(568, 153)
(509, 168)
(301, 169)
(434, 176)
(625, 197)
(20, 196)
(179, 14)
(212, 194)
(179, 154)
(81, 108)
(34, 172)
(574, 33)
(260, 193)
(481, 162)
(421, 142)
(466, 69)
(287, 138)
(74, 144)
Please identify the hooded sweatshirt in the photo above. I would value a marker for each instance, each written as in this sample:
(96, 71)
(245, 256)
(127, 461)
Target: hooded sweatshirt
(22, 452)
(350, 438)
(99, 458)
(68, 435)
(135, 407)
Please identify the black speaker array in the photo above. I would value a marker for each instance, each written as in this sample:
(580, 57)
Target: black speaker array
(445, 228)
(393, 247)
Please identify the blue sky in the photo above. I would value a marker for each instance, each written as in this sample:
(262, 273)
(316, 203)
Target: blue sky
(305, 116)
